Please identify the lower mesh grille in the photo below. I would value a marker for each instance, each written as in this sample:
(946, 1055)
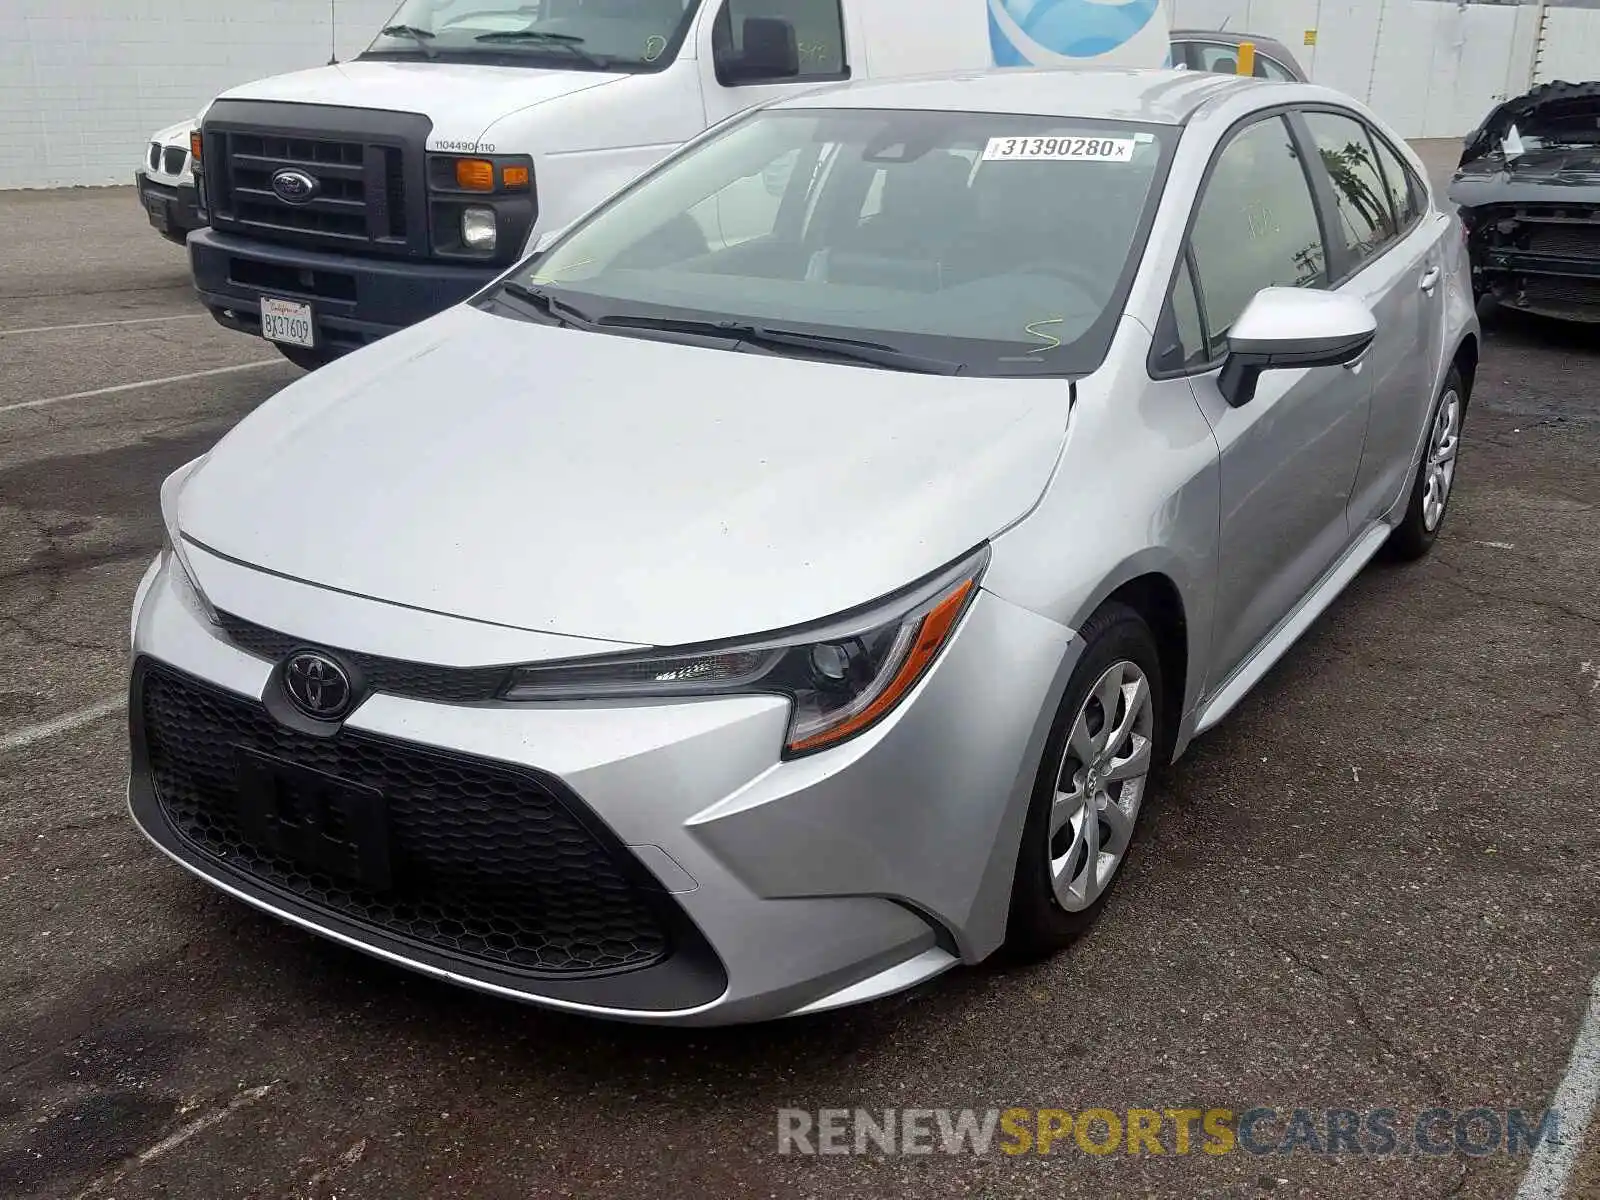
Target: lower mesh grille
(482, 860)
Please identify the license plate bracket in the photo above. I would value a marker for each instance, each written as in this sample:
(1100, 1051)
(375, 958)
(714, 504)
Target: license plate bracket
(288, 321)
(316, 819)
(155, 208)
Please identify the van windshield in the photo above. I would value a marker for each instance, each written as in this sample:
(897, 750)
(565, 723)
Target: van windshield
(614, 35)
(1003, 244)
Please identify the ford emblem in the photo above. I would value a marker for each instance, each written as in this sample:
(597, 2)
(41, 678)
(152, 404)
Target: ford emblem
(294, 186)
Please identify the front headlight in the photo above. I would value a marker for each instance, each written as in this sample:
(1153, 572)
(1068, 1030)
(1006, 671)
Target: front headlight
(172, 540)
(842, 677)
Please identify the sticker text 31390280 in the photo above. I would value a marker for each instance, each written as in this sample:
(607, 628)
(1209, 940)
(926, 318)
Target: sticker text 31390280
(1060, 149)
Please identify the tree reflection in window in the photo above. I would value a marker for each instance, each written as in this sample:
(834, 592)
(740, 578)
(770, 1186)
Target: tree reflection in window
(1366, 219)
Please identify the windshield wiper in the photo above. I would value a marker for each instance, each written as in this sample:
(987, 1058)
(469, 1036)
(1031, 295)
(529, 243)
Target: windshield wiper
(416, 33)
(563, 41)
(548, 306)
(849, 349)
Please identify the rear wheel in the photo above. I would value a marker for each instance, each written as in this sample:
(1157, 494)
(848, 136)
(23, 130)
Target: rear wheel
(304, 357)
(1436, 474)
(1091, 785)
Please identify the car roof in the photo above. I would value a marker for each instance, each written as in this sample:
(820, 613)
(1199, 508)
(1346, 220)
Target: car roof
(1156, 97)
(1225, 38)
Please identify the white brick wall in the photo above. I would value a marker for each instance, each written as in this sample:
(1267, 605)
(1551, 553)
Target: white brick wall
(84, 83)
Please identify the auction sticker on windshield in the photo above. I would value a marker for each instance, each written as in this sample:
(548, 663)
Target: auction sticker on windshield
(1060, 149)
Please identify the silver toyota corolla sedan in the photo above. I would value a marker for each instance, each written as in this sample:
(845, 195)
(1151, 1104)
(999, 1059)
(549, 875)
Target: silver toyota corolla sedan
(790, 582)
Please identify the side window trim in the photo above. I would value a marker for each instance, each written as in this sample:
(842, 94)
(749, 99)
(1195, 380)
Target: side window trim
(1299, 139)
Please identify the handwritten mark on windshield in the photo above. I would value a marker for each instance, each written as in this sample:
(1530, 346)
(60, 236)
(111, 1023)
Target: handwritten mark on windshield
(1051, 341)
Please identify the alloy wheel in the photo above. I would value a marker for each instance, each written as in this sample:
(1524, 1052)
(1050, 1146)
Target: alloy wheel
(1443, 441)
(1099, 785)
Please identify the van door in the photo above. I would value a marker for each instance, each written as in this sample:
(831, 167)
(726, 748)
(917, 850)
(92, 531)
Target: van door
(740, 42)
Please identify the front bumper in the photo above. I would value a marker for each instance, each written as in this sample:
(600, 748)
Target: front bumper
(171, 210)
(789, 886)
(354, 299)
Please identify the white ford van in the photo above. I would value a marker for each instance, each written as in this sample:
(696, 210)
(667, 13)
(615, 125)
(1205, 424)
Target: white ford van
(348, 201)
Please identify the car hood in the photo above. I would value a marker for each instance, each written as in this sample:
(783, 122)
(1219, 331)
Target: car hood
(461, 99)
(175, 135)
(618, 488)
(1546, 104)
(1559, 174)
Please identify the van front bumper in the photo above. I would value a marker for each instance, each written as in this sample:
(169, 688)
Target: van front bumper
(354, 299)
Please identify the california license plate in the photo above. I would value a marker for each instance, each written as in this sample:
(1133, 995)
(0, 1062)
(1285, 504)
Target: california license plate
(287, 321)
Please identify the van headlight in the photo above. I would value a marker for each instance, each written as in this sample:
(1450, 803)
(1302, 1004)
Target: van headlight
(478, 228)
(841, 677)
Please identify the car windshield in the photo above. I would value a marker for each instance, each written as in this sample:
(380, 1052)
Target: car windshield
(1001, 244)
(618, 35)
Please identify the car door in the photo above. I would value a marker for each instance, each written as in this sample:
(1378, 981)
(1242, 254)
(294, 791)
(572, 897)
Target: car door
(1289, 455)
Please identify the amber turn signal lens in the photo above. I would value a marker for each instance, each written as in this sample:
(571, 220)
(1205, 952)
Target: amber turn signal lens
(194, 144)
(515, 177)
(474, 175)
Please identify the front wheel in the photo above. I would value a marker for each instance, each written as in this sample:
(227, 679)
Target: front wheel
(1091, 785)
(304, 357)
(1436, 474)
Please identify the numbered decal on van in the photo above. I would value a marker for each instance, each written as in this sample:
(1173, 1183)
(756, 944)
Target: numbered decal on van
(1059, 149)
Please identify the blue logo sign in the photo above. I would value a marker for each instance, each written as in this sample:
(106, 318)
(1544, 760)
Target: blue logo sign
(1026, 33)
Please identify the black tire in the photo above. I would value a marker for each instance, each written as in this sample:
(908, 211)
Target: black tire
(1412, 538)
(1038, 925)
(305, 358)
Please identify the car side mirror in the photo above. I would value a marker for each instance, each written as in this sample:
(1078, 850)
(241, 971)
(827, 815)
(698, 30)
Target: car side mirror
(771, 51)
(1285, 327)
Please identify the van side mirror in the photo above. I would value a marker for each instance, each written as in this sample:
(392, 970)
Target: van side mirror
(771, 52)
(1285, 327)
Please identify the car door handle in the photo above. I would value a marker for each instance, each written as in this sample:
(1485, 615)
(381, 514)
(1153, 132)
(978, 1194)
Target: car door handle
(1430, 279)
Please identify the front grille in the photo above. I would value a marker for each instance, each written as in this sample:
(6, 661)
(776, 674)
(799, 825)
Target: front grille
(172, 159)
(1557, 289)
(155, 156)
(1577, 240)
(368, 166)
(338, 211)
(397, 677)
(485, 861)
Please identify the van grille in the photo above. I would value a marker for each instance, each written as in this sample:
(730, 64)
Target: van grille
(367, 168)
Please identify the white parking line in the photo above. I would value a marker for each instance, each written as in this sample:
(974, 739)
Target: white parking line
(29, 734)
(102, 324)
(143, 383)
(1553, 1161)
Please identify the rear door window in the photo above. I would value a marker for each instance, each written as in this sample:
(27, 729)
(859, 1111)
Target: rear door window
(1405, 190)
(1366, 219)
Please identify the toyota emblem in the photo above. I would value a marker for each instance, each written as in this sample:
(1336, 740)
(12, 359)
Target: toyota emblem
(294, 186)
(317, 685)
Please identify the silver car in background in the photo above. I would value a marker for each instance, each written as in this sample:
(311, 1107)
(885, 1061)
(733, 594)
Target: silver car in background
(789, 583)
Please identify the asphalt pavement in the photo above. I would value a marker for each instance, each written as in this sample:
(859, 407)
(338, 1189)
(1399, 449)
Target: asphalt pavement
(1374, 887)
